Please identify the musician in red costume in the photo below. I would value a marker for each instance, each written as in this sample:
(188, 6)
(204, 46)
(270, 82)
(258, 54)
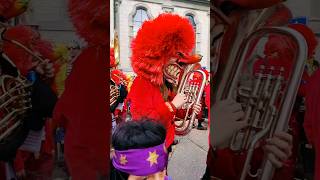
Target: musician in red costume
(223, 163)
(120, 81)
(83, 107)
(39, 73)
(278, 55)
(159, 52)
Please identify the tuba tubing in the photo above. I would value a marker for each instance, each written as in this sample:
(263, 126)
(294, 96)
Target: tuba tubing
(282, 123)
(266, 170)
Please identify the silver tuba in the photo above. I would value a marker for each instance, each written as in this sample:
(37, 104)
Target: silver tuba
(192, 85)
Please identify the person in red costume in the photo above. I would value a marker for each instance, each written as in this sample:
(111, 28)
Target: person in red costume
(39, 74)
(310, 109)
(222, 163)
(83, 109)
(118, 81)
(277, 55)
(159, 52)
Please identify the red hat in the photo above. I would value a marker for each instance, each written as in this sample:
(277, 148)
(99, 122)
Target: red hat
(157, 41)
(91, 20)
(309, 36)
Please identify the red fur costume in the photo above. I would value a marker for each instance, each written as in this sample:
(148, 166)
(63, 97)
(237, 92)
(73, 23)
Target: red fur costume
(156, 42)
(82, 109)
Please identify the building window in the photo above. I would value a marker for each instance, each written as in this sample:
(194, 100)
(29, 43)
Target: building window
(167, 9)
(194, 25)
(138, 18)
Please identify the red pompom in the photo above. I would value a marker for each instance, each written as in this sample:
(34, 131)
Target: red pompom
(157, 41)
(91, 20)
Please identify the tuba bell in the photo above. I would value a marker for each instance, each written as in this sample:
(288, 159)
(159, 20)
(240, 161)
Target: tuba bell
(15, 101)
(265, 87)
(192, 85)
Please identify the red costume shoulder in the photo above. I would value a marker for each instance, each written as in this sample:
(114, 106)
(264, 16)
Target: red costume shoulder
(146, 101)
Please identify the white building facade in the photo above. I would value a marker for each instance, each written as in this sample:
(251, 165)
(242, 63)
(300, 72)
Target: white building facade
(51, 19)
(128, 15)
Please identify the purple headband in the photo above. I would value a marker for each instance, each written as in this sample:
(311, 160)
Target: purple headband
(141, 162)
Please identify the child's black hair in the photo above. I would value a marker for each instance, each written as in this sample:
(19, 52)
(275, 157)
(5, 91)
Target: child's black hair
(135, 135)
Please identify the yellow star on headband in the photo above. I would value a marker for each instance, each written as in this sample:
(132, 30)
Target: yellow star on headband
(123, 159)
(153, 158)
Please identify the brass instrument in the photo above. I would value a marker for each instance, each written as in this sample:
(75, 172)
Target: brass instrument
(267, 96)
(193, 90)
(15, 101)
(15, 97)
(114, 93)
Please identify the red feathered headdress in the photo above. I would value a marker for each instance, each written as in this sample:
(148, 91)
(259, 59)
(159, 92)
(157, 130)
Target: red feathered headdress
(31, 40)
(309, 36)
(157, 41)
(12, 8)
(91, 20)
(112, 58)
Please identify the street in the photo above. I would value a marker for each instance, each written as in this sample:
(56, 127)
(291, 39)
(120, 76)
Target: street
(188, 161)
